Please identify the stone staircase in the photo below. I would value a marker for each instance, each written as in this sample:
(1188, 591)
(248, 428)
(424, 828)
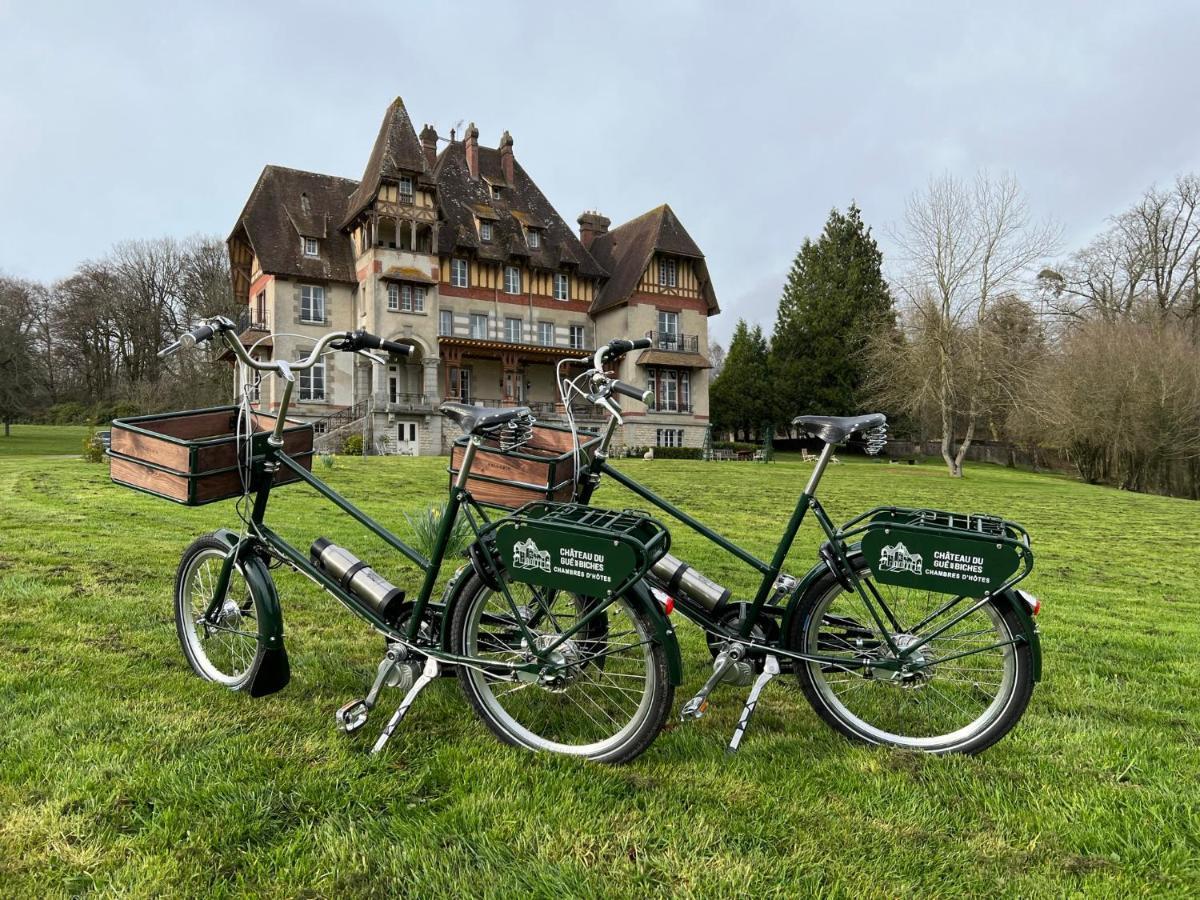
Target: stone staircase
(336, 427)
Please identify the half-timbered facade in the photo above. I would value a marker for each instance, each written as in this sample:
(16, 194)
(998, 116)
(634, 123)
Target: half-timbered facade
(450, 246)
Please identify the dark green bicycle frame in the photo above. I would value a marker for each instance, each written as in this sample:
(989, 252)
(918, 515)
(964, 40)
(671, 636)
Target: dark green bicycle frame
(461, 502)
(770, 572)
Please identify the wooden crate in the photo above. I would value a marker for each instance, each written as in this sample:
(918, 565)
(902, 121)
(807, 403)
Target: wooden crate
(543, 469)
(192, 457)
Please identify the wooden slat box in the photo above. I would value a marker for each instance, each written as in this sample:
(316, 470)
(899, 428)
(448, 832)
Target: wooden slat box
(543, 469)
(192, 457)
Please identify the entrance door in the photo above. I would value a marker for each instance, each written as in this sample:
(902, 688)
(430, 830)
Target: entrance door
(408, 433)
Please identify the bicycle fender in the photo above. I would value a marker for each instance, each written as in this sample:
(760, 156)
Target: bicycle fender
(275, 671)
(1032, 635)
(664, 631)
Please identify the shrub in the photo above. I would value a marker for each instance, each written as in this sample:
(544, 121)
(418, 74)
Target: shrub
(70, 413)
(93, 449)
(353, 445)
(327, 460)
(678, 453)
(425, 525)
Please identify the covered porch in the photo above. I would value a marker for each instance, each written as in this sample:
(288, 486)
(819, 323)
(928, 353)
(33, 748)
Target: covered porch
(497, 373)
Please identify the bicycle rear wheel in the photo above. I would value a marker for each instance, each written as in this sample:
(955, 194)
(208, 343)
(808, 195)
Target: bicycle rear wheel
(608, 694)
(947, 702)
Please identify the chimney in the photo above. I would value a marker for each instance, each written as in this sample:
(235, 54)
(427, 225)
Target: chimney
(591, 226)
(429, 138)
(471, 140)
(506, 156)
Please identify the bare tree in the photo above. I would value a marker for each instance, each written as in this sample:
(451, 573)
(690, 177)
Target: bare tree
(1144, 267)
(965, 246)
(17, 384)
(1123, 400)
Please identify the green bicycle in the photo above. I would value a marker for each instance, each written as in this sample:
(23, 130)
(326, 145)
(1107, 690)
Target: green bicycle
(907, 632)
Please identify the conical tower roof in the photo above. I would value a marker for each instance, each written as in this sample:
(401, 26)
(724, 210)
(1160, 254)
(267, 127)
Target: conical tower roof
(396, 150)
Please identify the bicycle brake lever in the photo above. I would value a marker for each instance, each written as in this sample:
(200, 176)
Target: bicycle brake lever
(379, 361)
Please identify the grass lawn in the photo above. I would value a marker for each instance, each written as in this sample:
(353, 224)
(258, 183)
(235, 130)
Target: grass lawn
(43, 440)
(121, 772)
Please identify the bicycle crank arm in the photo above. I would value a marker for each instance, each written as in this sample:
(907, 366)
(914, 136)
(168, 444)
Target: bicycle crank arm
(696, 707)
(353, 715)
(429, 674)
(770, 670)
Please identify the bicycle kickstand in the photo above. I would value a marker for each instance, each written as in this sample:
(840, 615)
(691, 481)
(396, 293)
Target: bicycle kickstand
(770, 670)
(427, 675)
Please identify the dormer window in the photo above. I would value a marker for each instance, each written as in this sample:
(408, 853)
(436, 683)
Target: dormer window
(497, 192)
(311, 248)
(533, 237)
(666, 273)
(485, 232)
(406, 189)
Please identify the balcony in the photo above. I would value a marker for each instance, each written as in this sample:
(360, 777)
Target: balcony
(543, 410)
(682, 408)
(674, 341)
(404, 402)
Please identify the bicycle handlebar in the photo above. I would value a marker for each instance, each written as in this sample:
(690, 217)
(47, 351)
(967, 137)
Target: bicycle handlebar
(617, 348)
(628, 390)
(189, 339)
(364, 340)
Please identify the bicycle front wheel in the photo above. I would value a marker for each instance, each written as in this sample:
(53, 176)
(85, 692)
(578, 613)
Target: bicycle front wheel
(227, 650)
(962, 692)
(605, 695)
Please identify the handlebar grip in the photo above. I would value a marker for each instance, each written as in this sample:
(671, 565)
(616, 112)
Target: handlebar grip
(620, 346)
(364, 340)
(397, 349)
(628, 390)
(188, 339)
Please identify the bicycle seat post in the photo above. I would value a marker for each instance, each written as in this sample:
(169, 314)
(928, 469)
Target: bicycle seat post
(822, 461)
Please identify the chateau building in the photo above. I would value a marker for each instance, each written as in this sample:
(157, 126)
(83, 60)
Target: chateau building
(450, 246)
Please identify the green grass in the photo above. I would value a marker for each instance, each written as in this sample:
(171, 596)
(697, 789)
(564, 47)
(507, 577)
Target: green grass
(120, 772)
(42, 440)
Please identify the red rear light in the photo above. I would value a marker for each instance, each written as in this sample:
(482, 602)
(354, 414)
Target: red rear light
(667, 601)
(1032, 603)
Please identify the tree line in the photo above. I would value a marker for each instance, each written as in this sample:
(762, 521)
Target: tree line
(981, 330)
(85, 348)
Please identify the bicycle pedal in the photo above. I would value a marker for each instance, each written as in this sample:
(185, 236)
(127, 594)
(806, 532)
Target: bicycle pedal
(693, 710)
(352, 716)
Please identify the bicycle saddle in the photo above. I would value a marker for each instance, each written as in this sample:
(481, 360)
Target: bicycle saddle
(476, 419)
(835, 429)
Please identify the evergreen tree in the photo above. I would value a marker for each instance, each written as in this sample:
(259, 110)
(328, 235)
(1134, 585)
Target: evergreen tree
(739, 398)
(834, 299)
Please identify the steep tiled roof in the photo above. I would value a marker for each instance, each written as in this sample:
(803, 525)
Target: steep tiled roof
(396, 149)
(462, 199)
(627, 250)
(286, 205)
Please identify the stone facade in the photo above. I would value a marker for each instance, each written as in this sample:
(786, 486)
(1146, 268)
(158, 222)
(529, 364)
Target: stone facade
(458, 254)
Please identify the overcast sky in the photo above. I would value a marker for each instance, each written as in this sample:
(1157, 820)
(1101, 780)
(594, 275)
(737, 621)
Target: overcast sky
(752, 120)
